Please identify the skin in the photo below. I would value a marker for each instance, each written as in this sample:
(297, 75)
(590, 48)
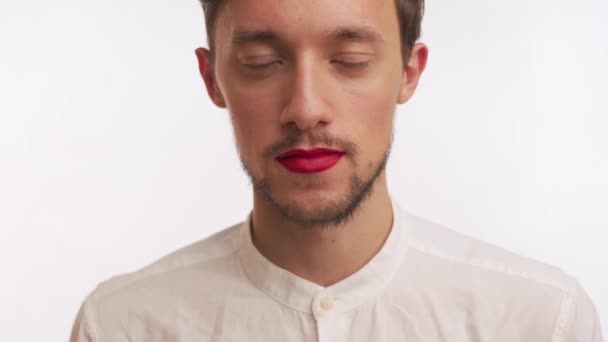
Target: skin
(301, 87)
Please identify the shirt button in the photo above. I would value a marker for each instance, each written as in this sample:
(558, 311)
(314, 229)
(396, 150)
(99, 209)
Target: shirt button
(327, 302)
(324, 304)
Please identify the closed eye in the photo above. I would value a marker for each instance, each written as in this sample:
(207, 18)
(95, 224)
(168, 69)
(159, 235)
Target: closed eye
(260, 66)
(353, 65)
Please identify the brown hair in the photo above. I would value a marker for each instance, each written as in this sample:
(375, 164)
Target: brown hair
(409, 13)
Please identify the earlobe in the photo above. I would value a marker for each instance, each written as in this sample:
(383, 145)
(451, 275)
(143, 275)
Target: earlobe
(413, 71)
(205, 67)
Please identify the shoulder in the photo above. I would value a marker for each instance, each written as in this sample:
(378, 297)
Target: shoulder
(446, 246)
(489, 281)
(203, 253)
(158, 291)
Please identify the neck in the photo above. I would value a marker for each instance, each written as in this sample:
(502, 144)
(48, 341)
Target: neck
(324, 256)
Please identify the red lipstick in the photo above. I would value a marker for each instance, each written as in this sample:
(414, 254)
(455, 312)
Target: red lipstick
(310, 161)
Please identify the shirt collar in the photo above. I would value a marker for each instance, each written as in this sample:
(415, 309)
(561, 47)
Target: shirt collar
(303, 295)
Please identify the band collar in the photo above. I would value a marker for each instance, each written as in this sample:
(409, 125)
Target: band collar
(303, 295)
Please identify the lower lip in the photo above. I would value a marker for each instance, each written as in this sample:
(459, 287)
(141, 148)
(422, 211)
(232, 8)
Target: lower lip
(312, 164)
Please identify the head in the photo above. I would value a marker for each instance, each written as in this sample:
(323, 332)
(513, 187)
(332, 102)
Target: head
(312, 74)
(409, 15)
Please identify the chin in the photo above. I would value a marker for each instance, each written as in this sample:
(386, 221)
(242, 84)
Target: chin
(313, 205)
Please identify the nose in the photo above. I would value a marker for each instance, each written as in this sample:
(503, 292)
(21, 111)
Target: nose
(305, 106)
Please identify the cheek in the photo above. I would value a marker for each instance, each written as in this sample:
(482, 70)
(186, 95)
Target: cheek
(368, 109)
(254, 120)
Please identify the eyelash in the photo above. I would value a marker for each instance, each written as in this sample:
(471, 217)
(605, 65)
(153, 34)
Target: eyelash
(259, 67)
(353, 65)
(349, 65)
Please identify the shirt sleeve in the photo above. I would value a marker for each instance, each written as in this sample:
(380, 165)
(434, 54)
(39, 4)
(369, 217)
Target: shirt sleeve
(81, 329)
(584, 323)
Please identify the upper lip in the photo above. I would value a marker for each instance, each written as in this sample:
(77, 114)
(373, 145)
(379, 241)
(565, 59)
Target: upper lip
(307, 153)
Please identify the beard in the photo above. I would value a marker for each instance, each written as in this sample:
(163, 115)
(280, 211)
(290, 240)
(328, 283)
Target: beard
(339, 210)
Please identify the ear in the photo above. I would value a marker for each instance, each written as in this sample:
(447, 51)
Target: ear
(413, 70)
(206, 69)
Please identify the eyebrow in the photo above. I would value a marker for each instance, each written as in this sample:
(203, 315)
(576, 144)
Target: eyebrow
(357, 33)
(244, 36)
(344, 33)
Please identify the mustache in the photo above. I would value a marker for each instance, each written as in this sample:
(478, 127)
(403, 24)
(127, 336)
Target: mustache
(314, 138)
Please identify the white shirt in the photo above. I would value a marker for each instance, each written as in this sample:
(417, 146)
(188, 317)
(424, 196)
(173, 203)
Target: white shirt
(427, 283)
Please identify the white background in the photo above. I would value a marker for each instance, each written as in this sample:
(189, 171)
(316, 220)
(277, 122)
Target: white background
(105, 129)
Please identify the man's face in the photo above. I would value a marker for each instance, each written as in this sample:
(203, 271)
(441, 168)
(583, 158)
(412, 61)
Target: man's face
(303, 75)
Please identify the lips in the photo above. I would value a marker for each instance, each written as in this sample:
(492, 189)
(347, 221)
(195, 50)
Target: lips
(310, 161)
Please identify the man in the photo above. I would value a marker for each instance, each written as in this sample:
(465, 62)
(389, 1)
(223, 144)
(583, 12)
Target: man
(326, 254)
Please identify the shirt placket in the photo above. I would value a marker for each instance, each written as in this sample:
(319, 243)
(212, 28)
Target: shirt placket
(324, 311)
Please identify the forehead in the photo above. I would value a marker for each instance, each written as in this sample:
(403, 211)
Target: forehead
(307, 19)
